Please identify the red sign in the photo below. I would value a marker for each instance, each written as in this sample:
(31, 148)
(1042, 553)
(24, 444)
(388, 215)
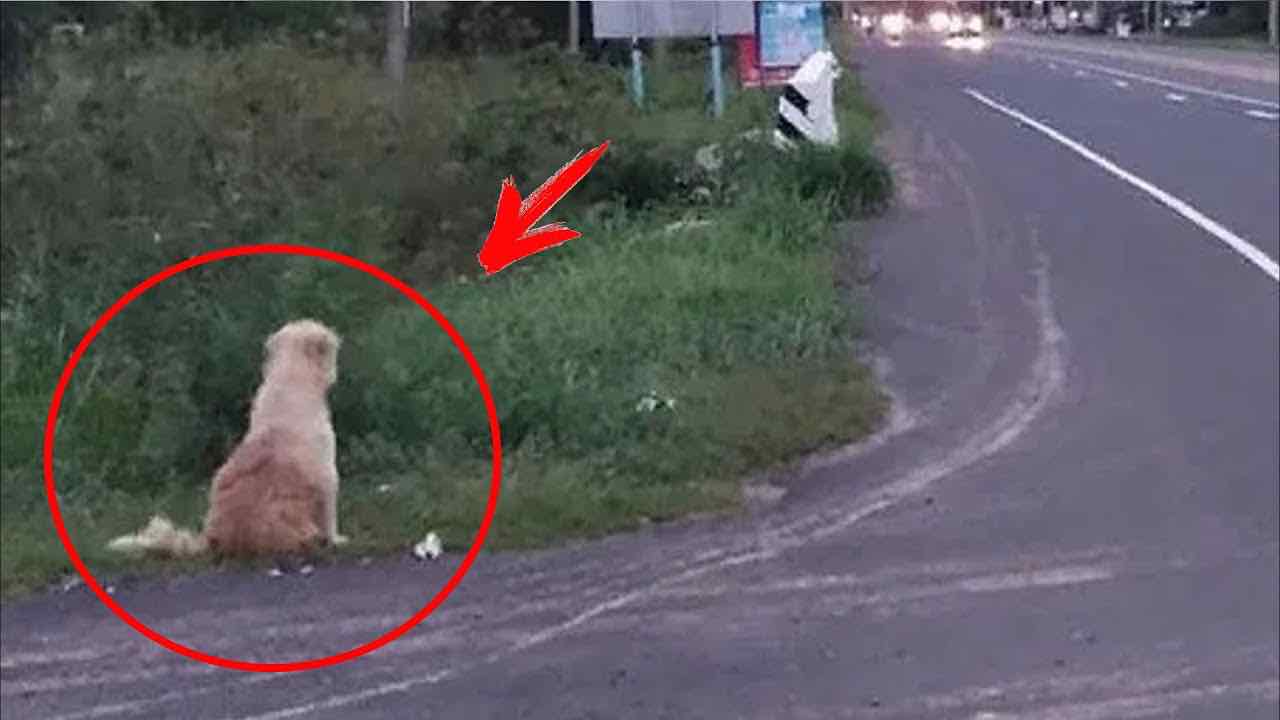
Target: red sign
(750, 74)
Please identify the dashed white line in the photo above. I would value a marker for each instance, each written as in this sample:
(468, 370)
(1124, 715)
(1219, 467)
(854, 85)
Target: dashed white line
(1263, 114)
(1235, 242)
(1120, 83)
(1171, 84)
(1175, 97)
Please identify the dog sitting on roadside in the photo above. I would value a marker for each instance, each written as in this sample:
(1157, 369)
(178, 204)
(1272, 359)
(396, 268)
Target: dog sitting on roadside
(278, 491)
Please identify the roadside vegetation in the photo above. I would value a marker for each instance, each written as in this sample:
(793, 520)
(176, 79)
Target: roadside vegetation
(697, 331)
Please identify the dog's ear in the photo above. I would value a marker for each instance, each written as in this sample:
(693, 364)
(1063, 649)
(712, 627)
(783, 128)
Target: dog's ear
(270, 348)
(314, 348)
(270, 344)
(322, 352)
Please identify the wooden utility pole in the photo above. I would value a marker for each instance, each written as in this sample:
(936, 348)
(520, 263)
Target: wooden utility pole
(573, 26)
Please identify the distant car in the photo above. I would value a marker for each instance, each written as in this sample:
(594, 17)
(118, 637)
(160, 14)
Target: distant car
(966, 33)
(1059, 20)
(894, 24)
(939, 21)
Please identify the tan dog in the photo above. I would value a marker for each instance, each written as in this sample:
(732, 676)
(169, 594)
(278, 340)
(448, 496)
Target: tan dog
(278, 491)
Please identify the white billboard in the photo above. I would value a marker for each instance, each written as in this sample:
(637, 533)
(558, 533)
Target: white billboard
(654, 18)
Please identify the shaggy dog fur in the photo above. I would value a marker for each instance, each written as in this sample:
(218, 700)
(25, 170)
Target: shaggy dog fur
(278, 491)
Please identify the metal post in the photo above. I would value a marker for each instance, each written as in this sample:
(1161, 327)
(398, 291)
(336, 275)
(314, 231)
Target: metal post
(637, 60)
(1159, 20)
(717, 82)
(637, 72)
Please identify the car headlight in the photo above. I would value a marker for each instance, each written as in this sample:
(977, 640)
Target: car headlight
(975, 23)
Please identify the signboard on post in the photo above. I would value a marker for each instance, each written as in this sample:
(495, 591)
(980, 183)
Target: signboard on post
(668, 18)
(790, 32)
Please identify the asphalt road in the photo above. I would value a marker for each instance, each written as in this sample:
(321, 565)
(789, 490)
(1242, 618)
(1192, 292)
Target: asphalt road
(1073, 513)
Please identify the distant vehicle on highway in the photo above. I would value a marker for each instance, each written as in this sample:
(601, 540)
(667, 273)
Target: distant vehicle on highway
(966, 32)
(1183, 15)
(894, 25)
(940, 20)
(1086, 20)
(1050, 17)
(867, 23)
(1059, 19)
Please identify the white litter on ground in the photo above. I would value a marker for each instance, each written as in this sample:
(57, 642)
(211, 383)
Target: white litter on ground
(430, 547)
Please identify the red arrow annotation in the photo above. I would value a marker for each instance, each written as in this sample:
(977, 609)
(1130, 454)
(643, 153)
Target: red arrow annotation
(511, 239)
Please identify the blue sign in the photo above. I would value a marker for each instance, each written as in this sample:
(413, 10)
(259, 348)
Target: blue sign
(790, 32)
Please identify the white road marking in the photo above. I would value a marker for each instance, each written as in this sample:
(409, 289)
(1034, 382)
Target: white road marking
(133, 706)
(879, 593)
(1163, 704)
(899, 584)
(1081, 73)
(1120, 83)
(1053, 66)
(1171, 84)
(1158, 690)
(13, 660)
(1235, 242)
(1175, 97)
(1263, 114)
(55, 682)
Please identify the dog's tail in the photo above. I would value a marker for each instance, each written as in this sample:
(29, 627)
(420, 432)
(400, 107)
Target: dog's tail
(162, 538)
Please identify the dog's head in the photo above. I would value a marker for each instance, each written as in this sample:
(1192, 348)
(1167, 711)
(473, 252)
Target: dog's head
(305, 344)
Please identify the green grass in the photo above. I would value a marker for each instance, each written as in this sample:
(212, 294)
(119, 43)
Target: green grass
(737, 322)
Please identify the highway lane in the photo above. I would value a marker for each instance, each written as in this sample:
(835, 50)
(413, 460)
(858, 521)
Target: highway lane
(1206, 150)
(1248, 73)
(1072, 514)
